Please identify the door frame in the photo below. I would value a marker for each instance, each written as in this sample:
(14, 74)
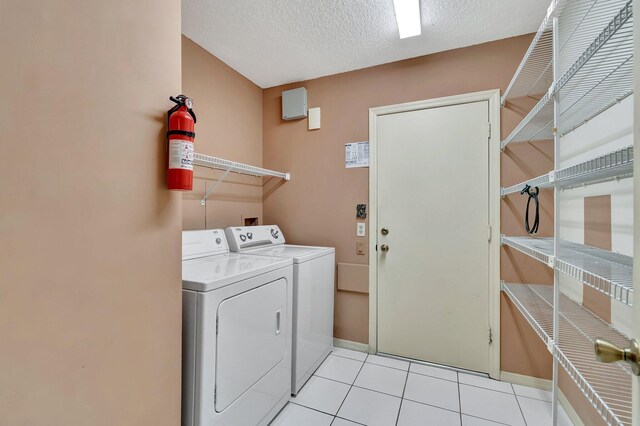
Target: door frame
(493, 97)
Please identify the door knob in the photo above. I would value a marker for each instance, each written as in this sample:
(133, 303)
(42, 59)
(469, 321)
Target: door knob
(384, 248)
(608, 352)
(384, 231)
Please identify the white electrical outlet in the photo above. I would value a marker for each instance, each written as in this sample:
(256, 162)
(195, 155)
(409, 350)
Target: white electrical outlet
(361, 229)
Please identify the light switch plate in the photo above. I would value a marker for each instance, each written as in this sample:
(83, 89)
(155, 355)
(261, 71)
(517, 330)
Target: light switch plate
(360, 248)
(361, 229)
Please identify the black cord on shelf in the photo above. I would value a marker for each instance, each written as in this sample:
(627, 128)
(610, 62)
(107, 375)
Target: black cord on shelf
(533, 194)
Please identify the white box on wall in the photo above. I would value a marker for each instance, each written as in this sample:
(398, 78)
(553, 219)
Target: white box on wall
(294, 103)
(314, 118)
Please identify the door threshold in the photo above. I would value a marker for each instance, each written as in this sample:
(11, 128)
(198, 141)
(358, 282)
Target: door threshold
(433, 364)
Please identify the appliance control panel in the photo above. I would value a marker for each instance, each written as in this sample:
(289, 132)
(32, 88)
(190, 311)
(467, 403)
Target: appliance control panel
(203, 243)
(249, 237)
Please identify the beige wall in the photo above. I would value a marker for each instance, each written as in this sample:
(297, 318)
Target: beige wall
(318, 205)
(229, 112)
(90, 287)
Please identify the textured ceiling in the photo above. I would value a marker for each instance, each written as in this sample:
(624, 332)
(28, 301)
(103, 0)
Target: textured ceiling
(273, 42)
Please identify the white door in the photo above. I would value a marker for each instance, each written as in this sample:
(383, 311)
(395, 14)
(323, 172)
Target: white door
(433, 198)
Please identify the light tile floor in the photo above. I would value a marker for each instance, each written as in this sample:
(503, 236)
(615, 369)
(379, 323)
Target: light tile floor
(353, 388)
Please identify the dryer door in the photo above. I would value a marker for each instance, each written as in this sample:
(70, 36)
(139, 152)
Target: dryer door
(252, 339)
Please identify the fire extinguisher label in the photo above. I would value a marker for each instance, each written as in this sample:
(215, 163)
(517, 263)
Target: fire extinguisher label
(180, 154)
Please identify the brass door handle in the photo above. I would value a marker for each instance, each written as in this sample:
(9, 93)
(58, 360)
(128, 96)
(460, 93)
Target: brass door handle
(608, 352)
(384, 248)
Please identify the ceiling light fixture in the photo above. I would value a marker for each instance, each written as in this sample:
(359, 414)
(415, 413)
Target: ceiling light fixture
(408, 17)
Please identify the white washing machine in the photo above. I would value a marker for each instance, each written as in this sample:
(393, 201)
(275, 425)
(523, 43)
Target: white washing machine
(313, 293)
(236, 333)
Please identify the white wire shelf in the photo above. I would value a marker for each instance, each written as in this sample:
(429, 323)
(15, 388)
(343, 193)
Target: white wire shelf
(614, 165)
(580, 22)
(232, 166)
(533, 308)
(603, 73)
(605, 271)
(606, 386)
(597, 37)
(543, 181)
(537, 125)
(535, 72)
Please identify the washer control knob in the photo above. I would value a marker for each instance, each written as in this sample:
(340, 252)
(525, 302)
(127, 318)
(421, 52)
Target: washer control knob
(218, 240)
(249, 235)
(243, 238)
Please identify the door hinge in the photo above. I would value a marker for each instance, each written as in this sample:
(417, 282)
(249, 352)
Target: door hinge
(217, 326)
(490, 336)
(489, 130)
(215, 394)
(489, 233)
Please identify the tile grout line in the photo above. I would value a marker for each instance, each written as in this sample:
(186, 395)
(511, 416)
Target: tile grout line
(408, 371)
(406, 379)
(417, 402)
(310, 408)
(345, 357)
(351, 387)
(352, 421)
(489, 389)
(459, 397)
(519, 407)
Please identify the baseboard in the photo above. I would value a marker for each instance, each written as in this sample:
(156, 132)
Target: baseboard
(348, 344)
(573, 414)
(545, 384)
(521, 379)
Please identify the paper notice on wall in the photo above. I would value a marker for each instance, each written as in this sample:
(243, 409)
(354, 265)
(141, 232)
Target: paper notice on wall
(357, 155)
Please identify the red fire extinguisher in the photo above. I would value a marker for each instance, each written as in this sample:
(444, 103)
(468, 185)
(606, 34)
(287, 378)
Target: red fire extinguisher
(181, 121)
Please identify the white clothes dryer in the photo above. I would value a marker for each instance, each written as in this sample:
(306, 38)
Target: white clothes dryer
(236, 328)
(313, 293)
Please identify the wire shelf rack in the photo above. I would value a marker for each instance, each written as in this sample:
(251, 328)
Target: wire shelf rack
(229, 166)
(614, 165)
(605, 271)
(534, 309)
(222, 164)
(579, 24)
(606, 386)
(543, 181)
(535, 72)
(537, 125)
(603, 73)
(595, 64)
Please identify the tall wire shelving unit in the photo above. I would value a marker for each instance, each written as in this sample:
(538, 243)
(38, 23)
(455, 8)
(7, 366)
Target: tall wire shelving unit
(579, 64)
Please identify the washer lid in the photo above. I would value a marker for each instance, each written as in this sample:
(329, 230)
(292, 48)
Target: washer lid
(212, 272)
(299, 254)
